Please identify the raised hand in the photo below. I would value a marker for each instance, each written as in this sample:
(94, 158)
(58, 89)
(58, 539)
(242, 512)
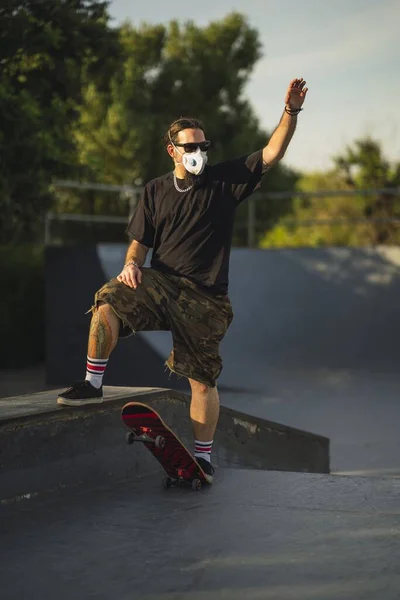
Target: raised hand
(296, 93)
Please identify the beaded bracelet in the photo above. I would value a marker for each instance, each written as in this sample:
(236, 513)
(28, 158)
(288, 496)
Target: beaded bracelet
(292, 111)
(131, 262)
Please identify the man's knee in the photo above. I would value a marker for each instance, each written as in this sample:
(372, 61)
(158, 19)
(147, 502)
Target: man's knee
(106, 311)
(104, 308)
(199, 387)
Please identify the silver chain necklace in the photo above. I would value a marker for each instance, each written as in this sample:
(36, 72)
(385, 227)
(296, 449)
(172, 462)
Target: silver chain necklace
(178, 189)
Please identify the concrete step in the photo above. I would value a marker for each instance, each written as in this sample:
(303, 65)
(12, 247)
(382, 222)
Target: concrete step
(44, 446)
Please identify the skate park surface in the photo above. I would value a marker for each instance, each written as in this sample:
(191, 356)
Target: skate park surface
(314, 344)
(313, 347)
(328, 349)
(254, 535)
(83, 515)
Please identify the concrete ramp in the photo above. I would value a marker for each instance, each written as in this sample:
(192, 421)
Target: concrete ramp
(303, 310)
(314, 343)
(47, 447)
(312, 311)
(318, 332)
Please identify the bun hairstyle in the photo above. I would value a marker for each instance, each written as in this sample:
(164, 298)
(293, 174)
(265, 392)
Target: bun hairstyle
(179, 125)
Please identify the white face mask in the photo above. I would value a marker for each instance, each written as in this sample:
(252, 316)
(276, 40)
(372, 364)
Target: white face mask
(194, 162)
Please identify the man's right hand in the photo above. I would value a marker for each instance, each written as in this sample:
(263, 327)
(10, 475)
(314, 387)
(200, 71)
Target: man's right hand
(131, 276)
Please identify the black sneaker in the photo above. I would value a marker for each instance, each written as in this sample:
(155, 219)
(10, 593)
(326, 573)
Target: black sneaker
(206, 467)
(82, 392)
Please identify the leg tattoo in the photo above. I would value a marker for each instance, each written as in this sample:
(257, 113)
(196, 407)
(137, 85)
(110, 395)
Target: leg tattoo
(101, 340)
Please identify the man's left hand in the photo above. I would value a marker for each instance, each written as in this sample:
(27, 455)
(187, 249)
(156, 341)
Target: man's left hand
(296, 93)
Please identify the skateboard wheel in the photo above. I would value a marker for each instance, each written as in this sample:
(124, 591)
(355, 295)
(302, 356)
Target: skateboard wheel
(160, 441)
(129, 438)
(196, 485)
(167, 482)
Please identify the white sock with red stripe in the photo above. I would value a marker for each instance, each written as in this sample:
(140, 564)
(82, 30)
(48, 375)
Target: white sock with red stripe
(203, 450)
(95, 368)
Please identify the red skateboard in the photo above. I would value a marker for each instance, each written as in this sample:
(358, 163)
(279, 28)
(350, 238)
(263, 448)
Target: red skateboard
(147, 427)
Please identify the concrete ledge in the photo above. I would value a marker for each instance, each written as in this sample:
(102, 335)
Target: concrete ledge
(45, 447)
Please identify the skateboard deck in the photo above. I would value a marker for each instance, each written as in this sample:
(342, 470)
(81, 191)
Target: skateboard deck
(146, 426)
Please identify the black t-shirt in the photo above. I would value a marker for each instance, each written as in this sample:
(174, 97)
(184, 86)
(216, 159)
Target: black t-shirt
(191, 232)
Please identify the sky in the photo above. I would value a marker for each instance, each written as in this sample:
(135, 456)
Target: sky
(347, 50)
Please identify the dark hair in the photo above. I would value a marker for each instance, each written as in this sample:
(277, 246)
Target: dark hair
(179, 125)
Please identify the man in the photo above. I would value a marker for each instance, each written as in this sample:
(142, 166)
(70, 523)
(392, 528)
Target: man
(187, 218)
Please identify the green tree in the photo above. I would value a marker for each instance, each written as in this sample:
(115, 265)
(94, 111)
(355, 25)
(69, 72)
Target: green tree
(269, 211)
(364, 166)
(166, 72)
(44, 47)
(347, 220)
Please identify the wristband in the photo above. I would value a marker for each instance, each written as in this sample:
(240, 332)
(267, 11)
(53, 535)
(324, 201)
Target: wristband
(292, 111)
(131, 262)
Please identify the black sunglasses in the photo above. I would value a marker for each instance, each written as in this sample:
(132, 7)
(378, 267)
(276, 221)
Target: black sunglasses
(192, 146)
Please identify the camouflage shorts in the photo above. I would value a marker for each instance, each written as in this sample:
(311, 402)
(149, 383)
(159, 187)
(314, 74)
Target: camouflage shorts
(197, 320)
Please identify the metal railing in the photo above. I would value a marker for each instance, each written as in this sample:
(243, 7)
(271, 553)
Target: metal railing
(133, 193)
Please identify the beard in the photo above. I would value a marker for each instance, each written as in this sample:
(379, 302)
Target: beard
(194, 180)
